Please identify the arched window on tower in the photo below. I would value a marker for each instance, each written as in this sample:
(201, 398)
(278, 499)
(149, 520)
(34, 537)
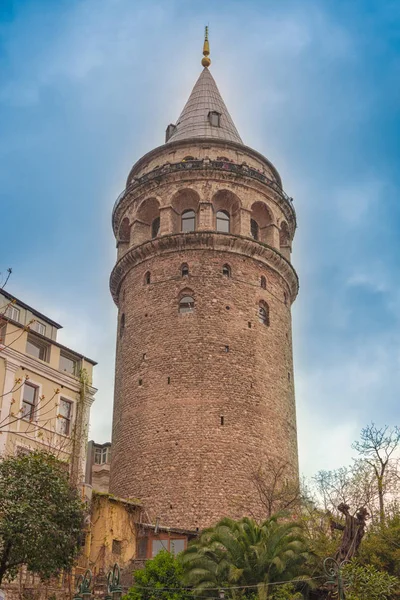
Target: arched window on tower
(185, 270)
(263, 282)
(223, 221)
(147, 278)
(122, 325)
(188, 221)
(155, 227)
(186, 304)
(254, 229)
(226, 271)
(263, 313)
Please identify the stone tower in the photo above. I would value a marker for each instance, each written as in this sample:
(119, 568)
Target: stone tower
(204, 285)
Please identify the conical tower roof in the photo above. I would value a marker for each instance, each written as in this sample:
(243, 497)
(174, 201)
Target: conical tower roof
(195, 120)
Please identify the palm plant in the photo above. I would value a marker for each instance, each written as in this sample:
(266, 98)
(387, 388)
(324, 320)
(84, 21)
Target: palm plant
(244, 553)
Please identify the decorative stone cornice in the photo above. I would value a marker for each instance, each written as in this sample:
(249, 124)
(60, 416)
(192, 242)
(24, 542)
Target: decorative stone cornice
(204, 240)
(17, 360)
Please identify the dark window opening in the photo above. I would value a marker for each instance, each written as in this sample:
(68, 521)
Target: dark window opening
(227, 307)
(226, 271)
(140, 381)
(144, 356)
(155, 227)
(186, 304)
(249, 324)
(214, 118)
(263, 313)
(116, 546)
(226, 348)
(122, 325)
(188, 221)
(169, 380)
(263, 282)
(142, 548)
(223, 221)
(254, 229)
(147, 278)
(184, 270)
(222, 420)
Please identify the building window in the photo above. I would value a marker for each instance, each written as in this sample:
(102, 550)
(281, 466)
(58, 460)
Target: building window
(223, 221)
(29, 401)
(39, 327)
(147, 278)
(116, 546)
(254, 229)
(122, 325)
(142, 548)
(188, 221)
(176, 546)
(13, 313)
(186, 304)
(263, 313)
(214, 118)
(188, 158)
(226, 271)
(263, 282)
(68, 364)
(155, 227)
(64, 417)
(184, 270)
(37, 348)
(102, 456)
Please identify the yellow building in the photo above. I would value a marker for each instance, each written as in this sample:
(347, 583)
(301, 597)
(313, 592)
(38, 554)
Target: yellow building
(45, 388)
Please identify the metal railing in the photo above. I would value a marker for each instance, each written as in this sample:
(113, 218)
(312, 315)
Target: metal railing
(196, 165)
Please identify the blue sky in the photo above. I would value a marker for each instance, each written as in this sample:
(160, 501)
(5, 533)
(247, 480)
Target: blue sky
(88, 86)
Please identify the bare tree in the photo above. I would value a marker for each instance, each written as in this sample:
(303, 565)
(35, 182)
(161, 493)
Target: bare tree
(377, 447)
(275, 486)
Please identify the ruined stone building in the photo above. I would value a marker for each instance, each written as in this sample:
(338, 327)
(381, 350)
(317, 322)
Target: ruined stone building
(204, 285)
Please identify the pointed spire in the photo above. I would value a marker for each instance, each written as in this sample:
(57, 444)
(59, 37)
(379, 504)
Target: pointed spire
(206, 62)
(205, 114)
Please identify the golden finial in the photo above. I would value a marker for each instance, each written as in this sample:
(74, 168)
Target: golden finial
(206, 62)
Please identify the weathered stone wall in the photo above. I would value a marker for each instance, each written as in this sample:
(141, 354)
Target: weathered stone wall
(202, 398)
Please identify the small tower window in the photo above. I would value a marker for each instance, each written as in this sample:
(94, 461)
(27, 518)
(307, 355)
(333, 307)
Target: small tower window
(155, 228)
(122, 325)
(186, 304)
(226, 271)
(147, 278)
(185, 270)
(188, 221)
(223, 221)
(263, 282)
(254, 229)
(263, 313)
(214, 118)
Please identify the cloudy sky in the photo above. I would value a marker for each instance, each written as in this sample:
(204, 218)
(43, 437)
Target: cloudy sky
(88, 86)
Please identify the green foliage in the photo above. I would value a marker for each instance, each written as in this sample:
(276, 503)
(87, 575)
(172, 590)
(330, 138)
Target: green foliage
(381, 546)
(245, 553)
(41, 516)
(163, 571)
(286, 592)
(366, 582)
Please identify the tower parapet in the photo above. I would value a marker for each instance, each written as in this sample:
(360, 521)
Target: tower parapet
(204, 377)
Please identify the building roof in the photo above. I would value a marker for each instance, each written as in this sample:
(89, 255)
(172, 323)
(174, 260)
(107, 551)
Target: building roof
(32, 310)
(194, 120)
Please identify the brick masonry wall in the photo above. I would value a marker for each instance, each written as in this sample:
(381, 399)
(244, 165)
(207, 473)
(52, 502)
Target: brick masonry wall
(169, 447)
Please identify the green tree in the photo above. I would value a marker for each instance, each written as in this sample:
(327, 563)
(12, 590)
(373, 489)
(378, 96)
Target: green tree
(244, 553)
(367, 583)
(381, 546)
(164, 572)
(41, 516)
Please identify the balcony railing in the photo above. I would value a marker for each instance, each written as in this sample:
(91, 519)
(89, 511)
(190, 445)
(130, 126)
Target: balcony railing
(196, 165)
